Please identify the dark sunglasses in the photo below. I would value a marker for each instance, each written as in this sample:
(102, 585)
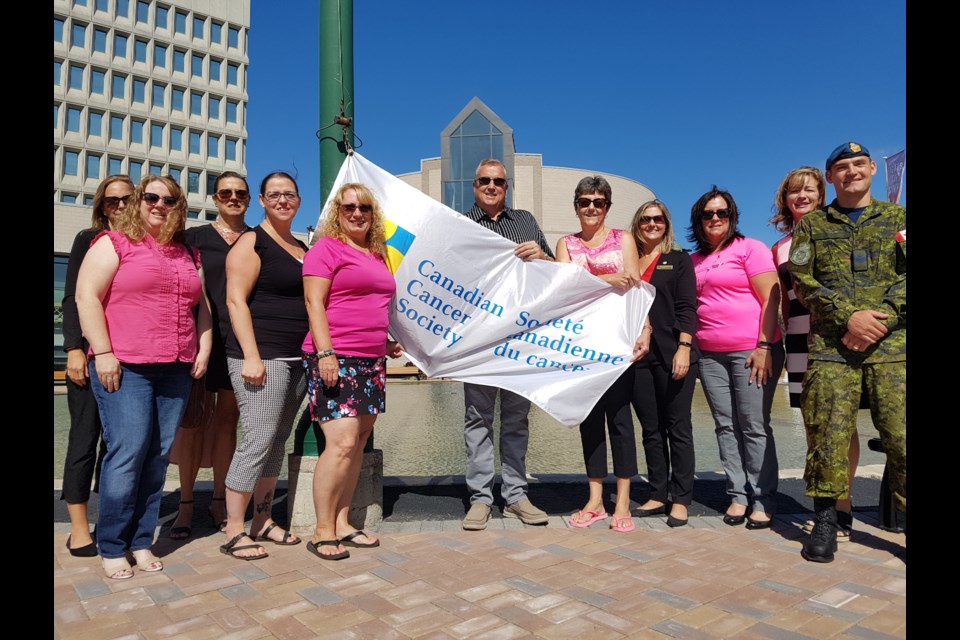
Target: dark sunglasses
(112, 201)
(153, 198)
(653, 219)
(598, 203)
(350, 208)
(484, 181)
(723, 214)
(226, 194)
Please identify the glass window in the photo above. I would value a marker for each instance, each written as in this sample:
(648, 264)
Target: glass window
(176, 99)
(79, 3)
(194, 142)
(156, 135)
(211, 181)
(119, 85)
(87, 200)
(93, 165)
(119, 45)
(73, 119)
(70, 161)
(102, 5)
(213, 146)
(160, 17)
(232, 70)
(180, 22)
(136, 131)
(139, 90)
(175, 173)
(198, 27)
(69, 198)
(193, 181)
(216, 30)
(193, 214)
(56, 72)
(231, 111)
(75, 81)
(143, 11)
(196, 65)
(140, 50)
(158, 93)
(179, 60)
(155, 169)
(231, 149)
(99, 40)
(213, 108)
(97, 77)
(95, 124)
(116, 128)
(123, 8)
(114, 165)
(136, 168)
(176, 139)
(196, 103)
(57, 30)
(56, 115)
(233, 37)
(78, 35)
(159, 56)
(214, 70)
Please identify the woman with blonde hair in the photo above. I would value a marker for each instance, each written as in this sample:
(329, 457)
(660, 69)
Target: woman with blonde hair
(348, 288)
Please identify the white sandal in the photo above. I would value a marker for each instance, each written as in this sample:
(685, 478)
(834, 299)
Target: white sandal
(117, 568)
(146, 561)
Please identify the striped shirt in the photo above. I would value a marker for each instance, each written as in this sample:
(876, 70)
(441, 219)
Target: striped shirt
(515, 225)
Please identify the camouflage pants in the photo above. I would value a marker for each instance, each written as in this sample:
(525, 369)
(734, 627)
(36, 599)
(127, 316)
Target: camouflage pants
(829, 402)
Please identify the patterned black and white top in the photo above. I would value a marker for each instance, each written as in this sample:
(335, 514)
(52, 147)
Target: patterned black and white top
(516, 225)
(796, 318)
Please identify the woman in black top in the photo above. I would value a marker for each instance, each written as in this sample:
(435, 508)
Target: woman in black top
(666, 377)
(81, 460)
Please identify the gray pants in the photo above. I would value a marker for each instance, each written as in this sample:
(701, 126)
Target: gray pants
(478, 437)
(741, 413)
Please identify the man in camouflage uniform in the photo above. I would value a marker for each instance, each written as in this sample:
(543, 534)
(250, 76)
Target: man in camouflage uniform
(849, 267)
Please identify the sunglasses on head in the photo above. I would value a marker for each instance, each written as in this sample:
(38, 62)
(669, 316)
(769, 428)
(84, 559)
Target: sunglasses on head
(350, 208)
(226, 194)
(153, 198)
(723, 214)
(484, 181)
(598, 203)
(112, 201)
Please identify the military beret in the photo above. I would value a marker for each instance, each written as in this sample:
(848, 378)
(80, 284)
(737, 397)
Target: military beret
(846, 150)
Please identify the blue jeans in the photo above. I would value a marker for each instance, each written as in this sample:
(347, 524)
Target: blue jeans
(139, 422)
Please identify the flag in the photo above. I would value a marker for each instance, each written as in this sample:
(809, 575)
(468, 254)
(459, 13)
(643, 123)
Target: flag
(895, 165)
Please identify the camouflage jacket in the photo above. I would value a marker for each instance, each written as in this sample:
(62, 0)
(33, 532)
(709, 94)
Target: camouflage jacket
(839, 267)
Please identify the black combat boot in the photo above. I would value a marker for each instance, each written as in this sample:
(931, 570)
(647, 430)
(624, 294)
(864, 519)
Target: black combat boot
(822, 543)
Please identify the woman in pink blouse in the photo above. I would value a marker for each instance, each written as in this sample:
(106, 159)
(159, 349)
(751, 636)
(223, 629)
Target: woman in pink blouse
(136, 292)
(612, 256)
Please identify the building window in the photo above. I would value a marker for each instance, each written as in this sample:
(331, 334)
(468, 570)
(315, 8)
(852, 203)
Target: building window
(159, 56)
(97, 77)
(213, 146)
(216, 30)
(156, 135)
(475, 139)
(176, 139)
(75, 81)
(119, 45)
(94, 124)
(79, 3)
(195, 142)
(196, 103)
(233, 37)
(123, 8)
(176, 99)
(93, 165)
(193, 214)
(102, 5)
(211, 181)
(198, 28)
(114, 165)
(116, 128)
(160, 17)
(175, 173)
(193, 181)
(155, 169)
(231, 111)
(196, 66)
(56, 115)
(158, 93)
(56, 72)
(99, 40)
(213, 108)
(143, 12)
(119, 86)
(180, 23)
(87, 200)
(139, 91)
(78, 35)
(179, 58)
(136, 168)
(232, 71)
(57, 30)
(140, 51)
(215, 70)
(73, 119)
(230, 152)
(69, 198)
(70, 162)
(136, 131)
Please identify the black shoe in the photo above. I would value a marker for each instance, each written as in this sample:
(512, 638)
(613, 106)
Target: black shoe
(758, 524)
(676, 522)
(734, 521)
(822, 543)
(645, 513)
(86, 551)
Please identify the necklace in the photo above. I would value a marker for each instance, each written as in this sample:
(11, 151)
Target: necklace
(228, 231)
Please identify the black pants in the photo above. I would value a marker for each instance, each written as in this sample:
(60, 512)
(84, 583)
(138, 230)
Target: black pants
(614, 408)
(82, 460)
(663, 408)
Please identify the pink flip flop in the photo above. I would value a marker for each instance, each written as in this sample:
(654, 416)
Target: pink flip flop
(623, 525)
(592, 516)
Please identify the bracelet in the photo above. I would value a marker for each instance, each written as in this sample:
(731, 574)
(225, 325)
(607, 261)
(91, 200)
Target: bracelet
(764, 347)
(682, 343)
(324, 354)
(103, 353)
(764, 343)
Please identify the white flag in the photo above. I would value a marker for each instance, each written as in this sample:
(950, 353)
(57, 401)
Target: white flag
(467, 308)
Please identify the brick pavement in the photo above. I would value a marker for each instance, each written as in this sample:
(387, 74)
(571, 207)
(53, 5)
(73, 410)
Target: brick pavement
(433, 580)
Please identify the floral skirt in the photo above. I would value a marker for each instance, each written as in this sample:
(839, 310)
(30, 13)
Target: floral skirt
(360, 390)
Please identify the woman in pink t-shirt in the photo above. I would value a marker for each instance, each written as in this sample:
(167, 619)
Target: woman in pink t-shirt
(347, 287)
(741, 352)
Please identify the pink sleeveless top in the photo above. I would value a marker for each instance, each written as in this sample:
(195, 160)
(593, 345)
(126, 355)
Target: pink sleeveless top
(602, 260)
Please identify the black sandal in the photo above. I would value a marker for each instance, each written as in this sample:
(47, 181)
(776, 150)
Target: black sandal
(219, 525)
(181, 533)
(231, 548)
(284, 541)
(312, 547)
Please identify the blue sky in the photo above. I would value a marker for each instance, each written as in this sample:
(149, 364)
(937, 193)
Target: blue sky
(676, 95)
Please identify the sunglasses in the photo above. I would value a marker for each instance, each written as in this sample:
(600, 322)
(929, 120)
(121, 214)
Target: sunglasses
(598, 203)
(226, 194)
(275, 196)
(654, 219)
(484, 181)
(350, 208)
(112, 201)
(153, 198)
(723, 214)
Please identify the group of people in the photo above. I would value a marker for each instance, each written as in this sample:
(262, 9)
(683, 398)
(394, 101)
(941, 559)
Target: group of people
(263, 321)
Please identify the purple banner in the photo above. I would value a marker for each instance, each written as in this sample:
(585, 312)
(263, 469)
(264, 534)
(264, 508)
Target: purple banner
(895, 165)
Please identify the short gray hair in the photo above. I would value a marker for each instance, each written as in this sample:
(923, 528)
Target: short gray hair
(594, 184)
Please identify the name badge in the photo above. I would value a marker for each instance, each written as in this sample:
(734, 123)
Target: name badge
(664, 267)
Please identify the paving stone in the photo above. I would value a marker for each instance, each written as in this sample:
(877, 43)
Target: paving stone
(87, 589)
(528, 586)
(670, 598)
(868, 634)
(678, 630)
(167, 592)
(586, 595)
(320, 596)
(249, 572)
(764, 630)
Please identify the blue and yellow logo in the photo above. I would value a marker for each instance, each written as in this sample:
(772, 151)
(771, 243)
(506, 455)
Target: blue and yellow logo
(398, 243)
